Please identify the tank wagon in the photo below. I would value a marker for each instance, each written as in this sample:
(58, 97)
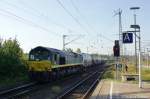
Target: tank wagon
(48, 63)
(87, 59)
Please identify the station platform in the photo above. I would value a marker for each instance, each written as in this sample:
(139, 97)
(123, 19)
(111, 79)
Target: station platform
(109, 89)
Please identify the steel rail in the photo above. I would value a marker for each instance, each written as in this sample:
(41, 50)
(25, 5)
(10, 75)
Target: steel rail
(18, 88)
(92, 86)
(78, 84)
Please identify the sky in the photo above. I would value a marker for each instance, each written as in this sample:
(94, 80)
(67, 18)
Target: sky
(92, 23)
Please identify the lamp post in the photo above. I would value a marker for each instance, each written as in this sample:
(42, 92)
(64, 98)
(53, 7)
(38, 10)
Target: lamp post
(134, 9)
(64, 36)
(139, 61)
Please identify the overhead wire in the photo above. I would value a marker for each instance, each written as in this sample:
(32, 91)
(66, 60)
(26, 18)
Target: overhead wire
(87, 23)
(21, 19)
(73, 17)
(36, 13)
(90, 26)
(40, 14)
(46, 17)
(78, 11)
(74, 39)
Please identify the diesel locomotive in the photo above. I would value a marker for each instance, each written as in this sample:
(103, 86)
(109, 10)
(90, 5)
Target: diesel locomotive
(47, 64)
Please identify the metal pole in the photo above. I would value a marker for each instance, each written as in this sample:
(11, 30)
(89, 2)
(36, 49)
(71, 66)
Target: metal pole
(64, 42)
(147, 57)
(140, 84)
(120, 32)
(140, 81)
(134, 9)
(120, 36)
(135, 44)
(116, 68)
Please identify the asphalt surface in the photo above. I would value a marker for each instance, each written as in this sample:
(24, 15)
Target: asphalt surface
(108, 89)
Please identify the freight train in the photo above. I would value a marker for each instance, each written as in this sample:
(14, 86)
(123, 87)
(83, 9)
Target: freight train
(46, 64)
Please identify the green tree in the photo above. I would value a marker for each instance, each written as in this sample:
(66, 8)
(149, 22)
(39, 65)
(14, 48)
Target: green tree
(11, 63)
(11, 52)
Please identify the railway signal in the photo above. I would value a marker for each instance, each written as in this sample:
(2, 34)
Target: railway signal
(116, 49)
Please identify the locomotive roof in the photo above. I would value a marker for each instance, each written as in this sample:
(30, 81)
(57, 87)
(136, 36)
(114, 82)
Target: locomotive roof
(51, 50)
(60, 52)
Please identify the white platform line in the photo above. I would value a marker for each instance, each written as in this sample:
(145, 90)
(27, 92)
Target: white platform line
(111, 88)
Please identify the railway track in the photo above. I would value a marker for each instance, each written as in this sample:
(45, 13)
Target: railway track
(13, 93)
(82, 89)
(31, 90)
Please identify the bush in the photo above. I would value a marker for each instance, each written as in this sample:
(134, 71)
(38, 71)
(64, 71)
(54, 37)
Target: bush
(11, 62)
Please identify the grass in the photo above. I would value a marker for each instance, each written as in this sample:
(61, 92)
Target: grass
(131, 69)
(9, 81)
(145, 72)
(145, 62)
(109, 73)
(11, 75)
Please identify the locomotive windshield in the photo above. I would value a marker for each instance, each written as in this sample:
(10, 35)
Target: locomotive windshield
(40, 54)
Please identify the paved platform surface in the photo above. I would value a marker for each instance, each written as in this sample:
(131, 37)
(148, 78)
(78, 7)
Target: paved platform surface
(108, 89)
